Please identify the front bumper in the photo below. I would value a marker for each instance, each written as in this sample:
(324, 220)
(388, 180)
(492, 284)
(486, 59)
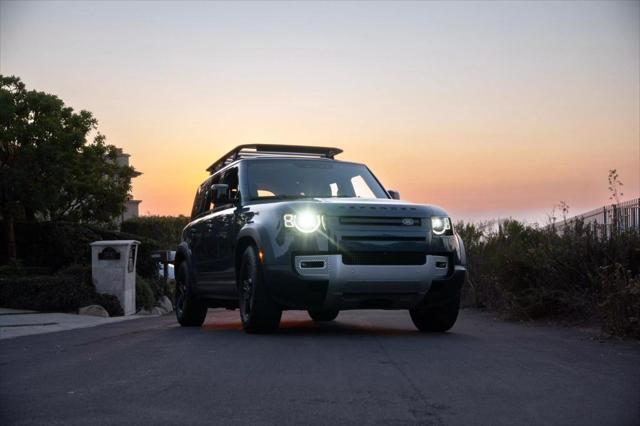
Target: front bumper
(326, 282)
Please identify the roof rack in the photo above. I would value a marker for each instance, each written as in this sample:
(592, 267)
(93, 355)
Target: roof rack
(262, 150)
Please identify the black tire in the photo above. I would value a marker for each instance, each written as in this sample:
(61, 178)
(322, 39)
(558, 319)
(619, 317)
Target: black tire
(435, 319)
(258, 311)
(320, 316)
(190, 310)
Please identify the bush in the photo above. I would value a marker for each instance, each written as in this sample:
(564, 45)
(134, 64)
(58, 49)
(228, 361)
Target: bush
(526, 272)
(51, 246)
(110, 303)
(160, 288)
(166, 230)
(82, 273)
(66, 291)
(17, 269)
(45, 293)
(621, 305)
(144, 294)
(78, 272)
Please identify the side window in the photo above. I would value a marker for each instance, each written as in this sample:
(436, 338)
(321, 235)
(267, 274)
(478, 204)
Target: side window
(202, 202)
(231, 178)
(208, 203)
(195, 210)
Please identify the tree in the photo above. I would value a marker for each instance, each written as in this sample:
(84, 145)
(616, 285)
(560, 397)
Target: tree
(49, 170)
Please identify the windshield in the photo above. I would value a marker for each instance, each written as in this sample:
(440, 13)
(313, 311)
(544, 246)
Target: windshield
(310, 178)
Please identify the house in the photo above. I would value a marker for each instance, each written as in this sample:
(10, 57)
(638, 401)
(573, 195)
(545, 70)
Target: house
(132, 205)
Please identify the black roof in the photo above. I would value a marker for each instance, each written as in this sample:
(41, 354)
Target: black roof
(266, 150)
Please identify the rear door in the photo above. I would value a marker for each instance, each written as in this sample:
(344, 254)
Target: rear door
(193, 232)
(200, 251)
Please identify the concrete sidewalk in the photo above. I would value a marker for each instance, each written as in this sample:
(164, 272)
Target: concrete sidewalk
(16, 323)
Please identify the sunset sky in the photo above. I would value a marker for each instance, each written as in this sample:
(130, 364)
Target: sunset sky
(489, 109)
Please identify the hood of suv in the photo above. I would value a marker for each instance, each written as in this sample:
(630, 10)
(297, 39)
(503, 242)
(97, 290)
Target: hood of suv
(370, 207)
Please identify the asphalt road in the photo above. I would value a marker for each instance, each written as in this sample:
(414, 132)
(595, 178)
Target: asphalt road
(368, 367)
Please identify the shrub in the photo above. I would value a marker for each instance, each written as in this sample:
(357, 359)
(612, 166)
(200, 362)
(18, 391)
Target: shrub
(620, 307)
(82, 273)
(17, 269)
(159, 287)
(78, 272)
(166, 230)
(45, 293)
(110, 303)
(50, 246)
(171, 290)
(144, 294)
(69, 289)
(526, 272)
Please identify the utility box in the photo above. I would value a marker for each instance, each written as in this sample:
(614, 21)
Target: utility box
(113, 268)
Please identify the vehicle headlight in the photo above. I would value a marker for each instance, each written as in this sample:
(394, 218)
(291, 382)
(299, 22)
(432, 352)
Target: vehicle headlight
(441, 225)
(305, 222)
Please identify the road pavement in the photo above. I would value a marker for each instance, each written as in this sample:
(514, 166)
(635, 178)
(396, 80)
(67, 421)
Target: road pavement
(367, 367)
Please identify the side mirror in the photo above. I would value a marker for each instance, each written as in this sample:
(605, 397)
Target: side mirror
(394, 194)
(219, 193)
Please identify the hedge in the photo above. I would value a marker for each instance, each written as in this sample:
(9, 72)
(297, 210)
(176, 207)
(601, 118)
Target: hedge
(55, 245)
(166, 230)
(54, 270)
(62, 293)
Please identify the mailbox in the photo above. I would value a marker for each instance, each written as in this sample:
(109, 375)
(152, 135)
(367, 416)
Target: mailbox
(165, 257)
(113, 268)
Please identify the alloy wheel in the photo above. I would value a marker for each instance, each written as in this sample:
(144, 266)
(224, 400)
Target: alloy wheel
(246, 292)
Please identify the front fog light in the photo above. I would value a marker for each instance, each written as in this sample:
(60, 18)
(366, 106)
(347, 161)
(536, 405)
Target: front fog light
(441, 225)
(305, 222)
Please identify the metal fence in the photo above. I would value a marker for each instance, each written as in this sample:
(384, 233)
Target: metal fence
(608, 220)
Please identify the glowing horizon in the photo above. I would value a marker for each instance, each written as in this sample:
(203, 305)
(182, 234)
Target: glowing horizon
(499, 109)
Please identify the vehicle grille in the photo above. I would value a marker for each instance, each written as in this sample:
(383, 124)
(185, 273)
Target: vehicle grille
(380, 221)
(383, 238)
(382, 258)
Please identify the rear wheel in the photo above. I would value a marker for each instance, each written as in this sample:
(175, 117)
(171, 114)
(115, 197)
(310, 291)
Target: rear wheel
(190, 310)
(327, 315)
(258, 311)
(439, 318)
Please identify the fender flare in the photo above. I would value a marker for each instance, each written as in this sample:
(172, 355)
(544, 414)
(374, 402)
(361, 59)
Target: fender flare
(253, 233)
(183, 254)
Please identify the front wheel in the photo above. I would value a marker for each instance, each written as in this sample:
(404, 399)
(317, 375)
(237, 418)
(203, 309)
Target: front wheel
(320, 316)
(436, 319)
(190, 310)
(258, 311)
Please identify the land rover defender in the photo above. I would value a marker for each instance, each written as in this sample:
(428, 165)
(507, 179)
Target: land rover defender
(278, 227)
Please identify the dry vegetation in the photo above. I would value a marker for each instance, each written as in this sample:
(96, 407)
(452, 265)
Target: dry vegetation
(527, 272)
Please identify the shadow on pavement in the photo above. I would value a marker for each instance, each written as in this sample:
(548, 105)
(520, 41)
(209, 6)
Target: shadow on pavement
(298, 323)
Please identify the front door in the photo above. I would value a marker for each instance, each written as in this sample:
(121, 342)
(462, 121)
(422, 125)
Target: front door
(219, 236)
